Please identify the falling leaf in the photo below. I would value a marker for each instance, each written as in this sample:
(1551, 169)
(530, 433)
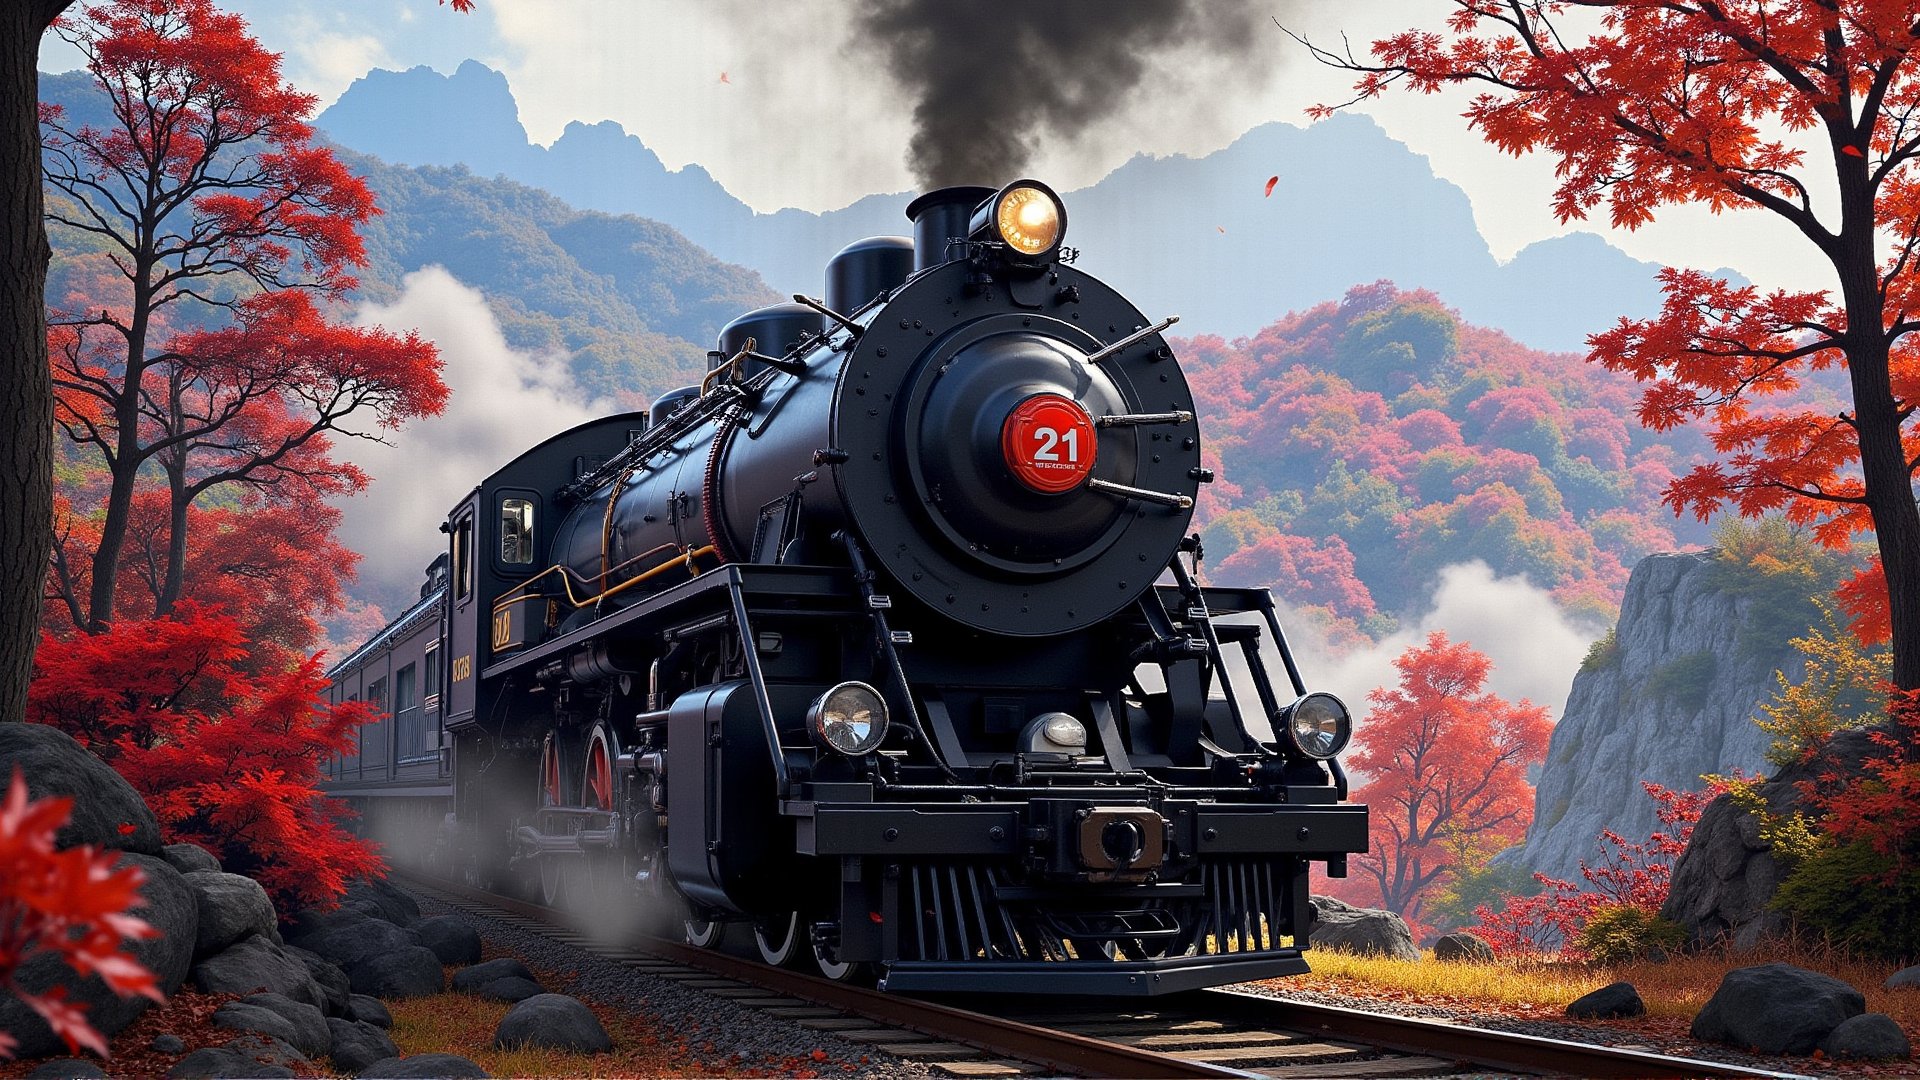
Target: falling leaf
(1271, 180)
(126, 828)
(724, 79)
(1222, 228)
(1852, 151)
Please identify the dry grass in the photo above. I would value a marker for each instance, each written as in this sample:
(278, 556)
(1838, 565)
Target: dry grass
(1674, 989)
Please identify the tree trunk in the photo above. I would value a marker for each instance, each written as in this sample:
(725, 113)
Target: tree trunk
(26, 390)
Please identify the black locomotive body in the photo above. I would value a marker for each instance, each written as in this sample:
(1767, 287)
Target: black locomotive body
(885, 640)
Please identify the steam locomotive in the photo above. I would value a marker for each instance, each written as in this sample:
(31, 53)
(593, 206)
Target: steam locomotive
(887, 641)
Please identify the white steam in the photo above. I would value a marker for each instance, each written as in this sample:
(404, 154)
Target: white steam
(503, 401)
(1535, 649)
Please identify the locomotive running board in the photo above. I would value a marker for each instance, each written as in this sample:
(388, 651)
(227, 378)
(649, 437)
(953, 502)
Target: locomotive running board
(1119, 978)
(825, 583)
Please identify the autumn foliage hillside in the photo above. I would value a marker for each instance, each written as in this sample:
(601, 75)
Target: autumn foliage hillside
(1364, 444)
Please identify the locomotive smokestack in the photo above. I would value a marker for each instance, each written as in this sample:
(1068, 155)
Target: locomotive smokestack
(940, 218)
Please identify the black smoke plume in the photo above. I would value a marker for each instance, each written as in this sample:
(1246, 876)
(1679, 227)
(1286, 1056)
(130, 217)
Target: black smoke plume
(993, 79)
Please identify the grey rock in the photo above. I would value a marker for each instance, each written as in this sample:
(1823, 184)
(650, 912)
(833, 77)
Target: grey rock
(511, 988)
(555, 1021)
(368, 1010)
(1368, 931)
(1867, 1037)
(187, 858)
(67, 1069)
(309, 1025)
(382, 899)
(169, 908)
(1462, 946)
(103, 801)
(333, 983)
(1611, 1002)
(239, 1016)
(348, 937)
(357, 1045)
(168, 1043)
(254, 965)
(1776, 1009)
(231, 907)
(425, 1066)
(452, 938)
(1614, 733)
(1724, 882)
(1905, 979)
(410, 972)
(473, 978)
(246, 1056)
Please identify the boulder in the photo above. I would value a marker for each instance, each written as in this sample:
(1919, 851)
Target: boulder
(1776, 1009)
(1867, 1037)
(167, 1043)
(67, 1069)
(1904, 979)
(187, 858)
(410, 972)
(103, 801)
(1462, 946)
(511, 988)
(348, 937)
(425, 1066)
(308, 1023)
(1723, 883)
(240, 1016)
(246, 1056)
(381, 899)
(1615, 1001)
(1367, 931)
(479, 975)
(169, 908)
(554, 1021)
(357, 1045)
(333, 983)
(452, 939)
(368, 1010)
(231, 907)
(253, 965)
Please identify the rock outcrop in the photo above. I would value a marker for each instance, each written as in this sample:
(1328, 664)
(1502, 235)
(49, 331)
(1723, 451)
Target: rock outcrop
(1722, 884)
(1672, 699)
(1776, 1009)
(1366, 931)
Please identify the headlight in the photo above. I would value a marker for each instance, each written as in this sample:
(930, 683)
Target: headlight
(1317, 726)
(851, 719)
(1065, 731)
(1026, 216)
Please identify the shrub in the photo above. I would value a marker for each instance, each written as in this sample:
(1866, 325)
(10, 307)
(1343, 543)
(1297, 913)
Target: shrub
(1685, 680)
(1621, 932)
(1841, 686)
(1839, 891)
(1602, 654)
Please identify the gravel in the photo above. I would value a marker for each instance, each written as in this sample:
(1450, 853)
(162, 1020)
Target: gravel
(751, 1036)
(1626, 1035)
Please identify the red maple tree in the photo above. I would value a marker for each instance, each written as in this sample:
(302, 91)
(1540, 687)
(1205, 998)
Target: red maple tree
(70, 903)
(196, 345)
(1734, 104)
(1446, 761)
(227, 756)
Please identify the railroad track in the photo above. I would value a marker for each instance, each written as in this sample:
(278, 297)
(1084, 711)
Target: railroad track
(1212, 1033)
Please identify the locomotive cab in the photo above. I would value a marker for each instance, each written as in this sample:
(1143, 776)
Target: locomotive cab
(887, 641)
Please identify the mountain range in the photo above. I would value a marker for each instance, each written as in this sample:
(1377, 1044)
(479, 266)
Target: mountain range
(1189, 236)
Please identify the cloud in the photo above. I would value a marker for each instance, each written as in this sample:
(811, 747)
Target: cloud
(503, 401)
(1535, 649)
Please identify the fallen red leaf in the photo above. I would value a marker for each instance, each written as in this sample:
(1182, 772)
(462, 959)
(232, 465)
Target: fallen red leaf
(1271, 180)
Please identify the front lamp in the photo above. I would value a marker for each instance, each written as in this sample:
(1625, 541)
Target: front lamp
(850, 719)
(1026, 216)
(1317, 726)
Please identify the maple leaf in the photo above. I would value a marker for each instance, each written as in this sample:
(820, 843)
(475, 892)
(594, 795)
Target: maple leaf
(1271, 181)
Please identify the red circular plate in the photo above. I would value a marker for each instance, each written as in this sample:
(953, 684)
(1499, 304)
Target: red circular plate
(1048, 442)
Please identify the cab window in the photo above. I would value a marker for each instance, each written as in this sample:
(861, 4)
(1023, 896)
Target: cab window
(463, 558)
(516, 531)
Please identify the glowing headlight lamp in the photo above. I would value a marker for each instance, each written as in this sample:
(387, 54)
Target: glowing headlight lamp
(1316, 726)
(850, 719)
(1026, 216)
